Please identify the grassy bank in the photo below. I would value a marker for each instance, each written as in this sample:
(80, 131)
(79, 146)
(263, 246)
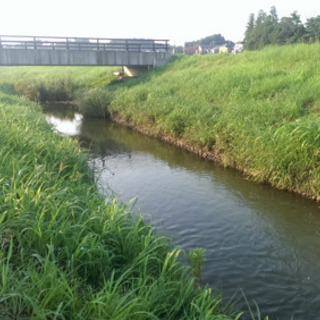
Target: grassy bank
(43, 84)
(65, 253)
(256, 111)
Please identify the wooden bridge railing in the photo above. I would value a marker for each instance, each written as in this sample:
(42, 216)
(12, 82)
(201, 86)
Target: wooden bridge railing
(69, 43)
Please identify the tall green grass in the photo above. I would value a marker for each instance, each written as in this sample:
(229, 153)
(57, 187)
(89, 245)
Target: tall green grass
(256, 111)
(43, 84)
(94, 102)
(67, 254)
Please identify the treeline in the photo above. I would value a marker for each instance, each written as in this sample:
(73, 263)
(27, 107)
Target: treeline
(209, 42)
(268, 29)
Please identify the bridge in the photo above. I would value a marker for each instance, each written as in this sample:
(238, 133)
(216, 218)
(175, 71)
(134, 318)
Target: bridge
(135, 55)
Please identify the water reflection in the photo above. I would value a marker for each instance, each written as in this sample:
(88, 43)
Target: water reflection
(256, 238)
(63, 119)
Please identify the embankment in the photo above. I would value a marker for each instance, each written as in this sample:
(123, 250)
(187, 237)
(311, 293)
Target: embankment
(257, 112)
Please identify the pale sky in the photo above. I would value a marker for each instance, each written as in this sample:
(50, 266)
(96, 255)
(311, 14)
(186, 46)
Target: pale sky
(176, 20)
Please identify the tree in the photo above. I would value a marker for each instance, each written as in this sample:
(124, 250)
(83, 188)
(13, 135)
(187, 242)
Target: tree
(272, 23)
(295, 17)
(290, 29)
(249, 40)
(274, 15)
(268, 30)
(261, 30)
(313, 29)
(213, 41)
(210, 41)
(286, 31)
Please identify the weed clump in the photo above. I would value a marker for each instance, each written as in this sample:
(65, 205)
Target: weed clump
(94, 102)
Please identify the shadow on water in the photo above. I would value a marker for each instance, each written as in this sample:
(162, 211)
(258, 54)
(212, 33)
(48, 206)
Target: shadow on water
(256, 238)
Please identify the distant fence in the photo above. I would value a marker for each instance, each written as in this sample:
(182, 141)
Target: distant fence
(74, 43)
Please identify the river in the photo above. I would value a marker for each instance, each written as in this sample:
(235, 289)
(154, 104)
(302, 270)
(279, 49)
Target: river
(256, 239)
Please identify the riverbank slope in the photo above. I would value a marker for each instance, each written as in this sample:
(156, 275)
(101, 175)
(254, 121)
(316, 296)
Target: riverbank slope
(65, 253)
(257, 112)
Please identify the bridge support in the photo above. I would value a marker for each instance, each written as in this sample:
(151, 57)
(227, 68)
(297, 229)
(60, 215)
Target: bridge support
(134, 71)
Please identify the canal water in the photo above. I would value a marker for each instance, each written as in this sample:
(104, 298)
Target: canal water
(258, 240)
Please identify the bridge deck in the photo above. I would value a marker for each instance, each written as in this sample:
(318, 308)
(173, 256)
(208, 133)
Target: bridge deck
(31, 50)
(68, 43)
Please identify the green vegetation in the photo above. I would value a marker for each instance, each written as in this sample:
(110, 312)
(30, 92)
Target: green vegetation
(64, 252)
(209, 42)
(43, 84)
(268, 29)
(257, 111)
(94, 101)
(196, 260)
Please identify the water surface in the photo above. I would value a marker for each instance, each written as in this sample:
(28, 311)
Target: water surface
(257, 239)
